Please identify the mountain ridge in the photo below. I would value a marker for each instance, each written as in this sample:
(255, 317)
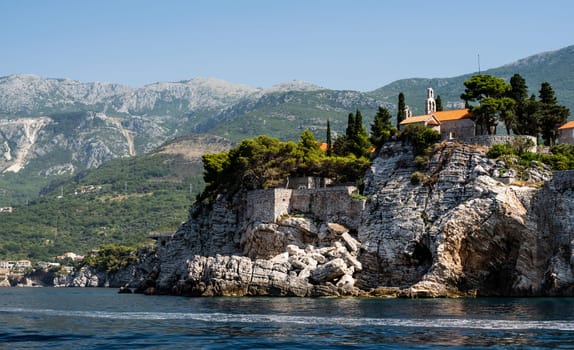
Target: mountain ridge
(90, 123)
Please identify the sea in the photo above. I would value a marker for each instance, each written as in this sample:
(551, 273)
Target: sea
(100, 318)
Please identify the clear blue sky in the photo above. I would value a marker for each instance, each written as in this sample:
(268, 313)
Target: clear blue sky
(339, 44)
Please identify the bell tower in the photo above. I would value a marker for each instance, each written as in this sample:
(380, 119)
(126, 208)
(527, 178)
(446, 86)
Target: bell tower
(430, 106)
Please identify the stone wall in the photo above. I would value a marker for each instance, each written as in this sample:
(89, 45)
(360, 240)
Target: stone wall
(491, 140)
(457, 129)
(326, 204)
(330, 204)
(261, 205)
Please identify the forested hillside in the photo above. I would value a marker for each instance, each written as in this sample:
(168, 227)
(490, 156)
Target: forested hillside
(120, 202)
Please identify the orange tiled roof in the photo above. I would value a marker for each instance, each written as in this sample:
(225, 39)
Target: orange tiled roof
(417, 119)
(454, 114)
(441, 116)
(429, 119)
(568, 125)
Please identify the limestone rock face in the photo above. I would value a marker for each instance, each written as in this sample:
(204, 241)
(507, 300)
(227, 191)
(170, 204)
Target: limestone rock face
(459, 225)
(463, 230)
(222, 251)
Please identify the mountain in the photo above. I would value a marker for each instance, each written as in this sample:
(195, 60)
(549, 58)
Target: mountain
(554, 67)
(120, 201)
(51, 128)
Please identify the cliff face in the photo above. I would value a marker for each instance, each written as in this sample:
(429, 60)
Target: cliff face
(461, 230)
(456, 229)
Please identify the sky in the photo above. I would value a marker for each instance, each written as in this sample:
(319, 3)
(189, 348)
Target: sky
(337, 44)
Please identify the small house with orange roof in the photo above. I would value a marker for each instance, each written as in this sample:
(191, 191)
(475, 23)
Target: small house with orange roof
(451, 125)
(566, 133)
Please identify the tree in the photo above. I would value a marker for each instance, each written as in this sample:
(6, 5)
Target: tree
(356, 139)
(490, 92)
(438, 104)
(527, 122)
(329, 140)
(518, 89)
(401, 108)
(350, 131)
(546, 94)
(420, 137)
(521, 121)
(382, 128)
(551, 114)
(309, 154)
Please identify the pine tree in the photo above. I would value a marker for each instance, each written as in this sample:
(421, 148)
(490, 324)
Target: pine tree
(547, 94)
(401, 109)
(382, 127)
(518, 88)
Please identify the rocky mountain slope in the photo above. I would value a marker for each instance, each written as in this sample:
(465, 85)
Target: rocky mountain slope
(460, 231)
(56, 127)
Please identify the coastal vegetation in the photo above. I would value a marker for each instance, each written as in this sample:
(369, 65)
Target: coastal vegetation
(266, 162)
(497, 101)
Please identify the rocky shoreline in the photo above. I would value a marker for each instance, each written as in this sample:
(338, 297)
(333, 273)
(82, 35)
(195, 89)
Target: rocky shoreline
(468, 226)
(472, 226)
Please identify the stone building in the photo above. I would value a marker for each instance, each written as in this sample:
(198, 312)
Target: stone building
(451, 125)
(566, 133)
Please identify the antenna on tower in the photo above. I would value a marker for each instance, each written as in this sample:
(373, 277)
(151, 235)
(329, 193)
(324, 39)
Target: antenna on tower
(478, 63)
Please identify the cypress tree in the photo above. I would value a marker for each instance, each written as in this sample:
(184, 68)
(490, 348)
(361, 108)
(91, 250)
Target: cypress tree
(329, 140)
(438, 104)
(401, 109)
(350, 126)
(551, 114)
(522, 118)
(358, 122)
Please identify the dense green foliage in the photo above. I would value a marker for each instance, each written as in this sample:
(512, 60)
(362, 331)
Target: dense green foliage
(420, 137)
(111, 258)
(382, 128)
(491, 94)
(355, 142)
(561, 157)
(118, 203)
(499, 101)
(266, 162)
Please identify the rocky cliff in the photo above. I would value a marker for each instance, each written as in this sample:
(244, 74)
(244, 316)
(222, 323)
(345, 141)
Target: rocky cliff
(460, 226)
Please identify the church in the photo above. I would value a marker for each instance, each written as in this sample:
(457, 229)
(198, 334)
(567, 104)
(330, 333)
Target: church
(451, 125)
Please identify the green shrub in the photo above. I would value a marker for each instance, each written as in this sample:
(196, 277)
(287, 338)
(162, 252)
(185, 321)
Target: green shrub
(420, 137)
(418, 178)
(110, 257)
(498, 150)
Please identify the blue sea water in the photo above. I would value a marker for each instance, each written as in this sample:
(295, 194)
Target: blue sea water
(59, 318)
